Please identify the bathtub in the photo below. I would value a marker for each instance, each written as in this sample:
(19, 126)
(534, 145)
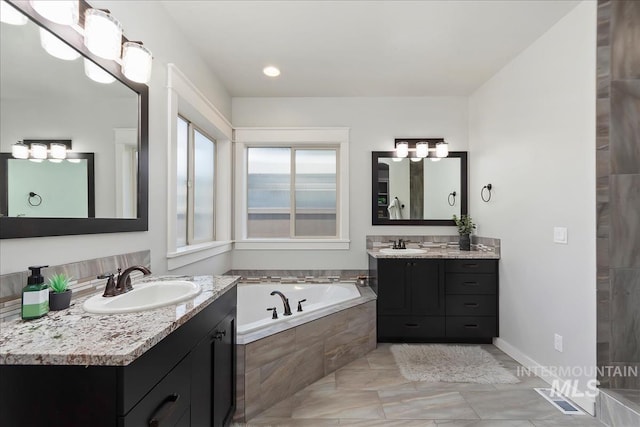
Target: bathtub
(254, 299)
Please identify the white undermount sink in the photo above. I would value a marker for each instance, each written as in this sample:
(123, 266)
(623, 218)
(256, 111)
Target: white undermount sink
(408, 251)
(144, 296)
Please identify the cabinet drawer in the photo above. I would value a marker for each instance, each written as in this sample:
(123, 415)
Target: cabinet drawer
(471, 305)
(471, 266)
(471, 327)
(167, 402)
(462, 283)
(410, 327)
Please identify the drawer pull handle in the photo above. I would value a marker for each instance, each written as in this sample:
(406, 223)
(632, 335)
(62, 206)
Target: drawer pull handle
(471, 326)
(411, 325)
(217, 335)
(471, 265)
(471, 304)
(470, 283)
(165, 410)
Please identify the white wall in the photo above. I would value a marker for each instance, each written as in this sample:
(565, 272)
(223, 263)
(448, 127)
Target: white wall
(374, 124)
(149, 22)
(532, 135)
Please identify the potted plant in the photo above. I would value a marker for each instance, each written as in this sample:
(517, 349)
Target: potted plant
(465, 228)
(59, 293)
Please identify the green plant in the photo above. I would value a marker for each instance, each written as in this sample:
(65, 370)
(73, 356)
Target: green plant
(59, 283)
(465, 224)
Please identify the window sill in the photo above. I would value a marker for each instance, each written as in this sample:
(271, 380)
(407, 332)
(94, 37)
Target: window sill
(194, 253)
(292, 244)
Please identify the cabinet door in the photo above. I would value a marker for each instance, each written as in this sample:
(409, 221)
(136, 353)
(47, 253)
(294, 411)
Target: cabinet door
(213, 373)
(427, 287)
(224, 371)
(393, 286)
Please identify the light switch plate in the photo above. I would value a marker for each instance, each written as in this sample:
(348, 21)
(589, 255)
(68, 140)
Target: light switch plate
(560, 235)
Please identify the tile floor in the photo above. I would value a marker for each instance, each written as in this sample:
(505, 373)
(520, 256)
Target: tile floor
(371, 392)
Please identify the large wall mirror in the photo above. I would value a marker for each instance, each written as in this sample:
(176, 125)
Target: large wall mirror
(43, 97)
(408, 191)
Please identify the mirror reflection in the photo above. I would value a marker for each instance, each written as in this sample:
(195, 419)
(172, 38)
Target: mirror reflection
(416, 191)
(45, 97)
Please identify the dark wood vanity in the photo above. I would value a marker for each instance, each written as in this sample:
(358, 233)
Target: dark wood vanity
(435, 300)
(186, 379)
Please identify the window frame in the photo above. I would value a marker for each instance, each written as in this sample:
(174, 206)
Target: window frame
(294, 138)
(191, 179)
(186, 100)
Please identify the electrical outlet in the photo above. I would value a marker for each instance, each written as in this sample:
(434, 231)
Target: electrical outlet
(557, 342)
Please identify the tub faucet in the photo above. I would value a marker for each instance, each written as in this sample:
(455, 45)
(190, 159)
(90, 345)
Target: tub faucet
(285, 301)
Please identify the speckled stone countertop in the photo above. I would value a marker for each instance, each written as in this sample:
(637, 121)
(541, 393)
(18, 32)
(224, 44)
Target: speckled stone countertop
(448, 252)
(75, 337)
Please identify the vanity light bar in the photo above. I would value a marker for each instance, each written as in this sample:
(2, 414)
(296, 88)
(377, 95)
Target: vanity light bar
(422, 147)
(40, 149)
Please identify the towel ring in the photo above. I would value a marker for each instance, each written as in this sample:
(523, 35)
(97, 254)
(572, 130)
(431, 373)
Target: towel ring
(488, 188)
(452, 196)
(37, 197)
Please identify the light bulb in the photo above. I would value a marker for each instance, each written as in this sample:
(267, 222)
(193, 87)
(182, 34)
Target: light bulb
(20, 150)
(11, 15)
(38, 151)
(102, 34)
(60, 12)
(435, 159)
(136, 62)
(442, 149)
(58, 151)
(422, 149)
(402, 149)
(416, 159)
(271, 71)
(96, 73)
(56, 47)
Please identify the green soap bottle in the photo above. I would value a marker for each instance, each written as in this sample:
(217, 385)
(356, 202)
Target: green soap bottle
(35, 296)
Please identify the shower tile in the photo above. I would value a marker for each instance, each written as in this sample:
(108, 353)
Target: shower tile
(603, 72)
(625, 316)
(602, 117)
(625, 221)
(603, 168)
(625, 126)
(625, 39)
(267, 350)
(604, 23)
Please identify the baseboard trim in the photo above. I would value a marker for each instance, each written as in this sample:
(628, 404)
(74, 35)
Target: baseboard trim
(586, 402)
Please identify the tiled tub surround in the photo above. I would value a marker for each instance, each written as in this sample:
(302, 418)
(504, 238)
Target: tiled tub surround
(439, 246)
(82, 273)
(277, 361)
(75, 337)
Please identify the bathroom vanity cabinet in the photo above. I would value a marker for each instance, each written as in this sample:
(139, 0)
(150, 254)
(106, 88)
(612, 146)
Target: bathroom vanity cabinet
(435, 300)
(187, 379)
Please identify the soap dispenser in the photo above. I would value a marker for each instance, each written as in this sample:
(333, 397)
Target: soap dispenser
(35, 296)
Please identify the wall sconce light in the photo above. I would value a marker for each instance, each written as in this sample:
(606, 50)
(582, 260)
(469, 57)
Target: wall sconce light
(39, 149)
(422, 147)
(102, 34)
(11, 16)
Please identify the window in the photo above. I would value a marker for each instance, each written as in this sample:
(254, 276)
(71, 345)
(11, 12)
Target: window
(195, 192)
(272, 174)
(294, 188)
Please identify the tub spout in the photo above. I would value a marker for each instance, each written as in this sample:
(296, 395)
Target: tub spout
(285, 302)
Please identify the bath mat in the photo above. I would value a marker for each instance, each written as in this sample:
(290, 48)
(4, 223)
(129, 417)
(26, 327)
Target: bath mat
(450, 363)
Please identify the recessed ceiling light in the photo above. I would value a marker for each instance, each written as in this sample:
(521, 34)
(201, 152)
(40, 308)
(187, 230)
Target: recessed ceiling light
(271, 71)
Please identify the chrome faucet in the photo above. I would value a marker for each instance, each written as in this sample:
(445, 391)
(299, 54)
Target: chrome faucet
(123, 283)
(285, 301)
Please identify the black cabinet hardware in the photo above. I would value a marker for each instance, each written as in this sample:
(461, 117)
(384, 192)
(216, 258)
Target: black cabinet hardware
(275, 312)
(165, 410)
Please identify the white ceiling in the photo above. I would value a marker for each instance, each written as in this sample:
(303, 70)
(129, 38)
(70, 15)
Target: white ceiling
(362, 48)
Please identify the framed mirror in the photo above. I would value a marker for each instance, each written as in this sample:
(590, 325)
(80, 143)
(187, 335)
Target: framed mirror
(45, 97)
(407, 191)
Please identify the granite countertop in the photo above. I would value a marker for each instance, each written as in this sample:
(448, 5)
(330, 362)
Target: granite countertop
(432, 252)
(75, 337)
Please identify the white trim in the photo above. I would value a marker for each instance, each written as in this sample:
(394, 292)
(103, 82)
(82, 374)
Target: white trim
(195, 253)
(185, 98)
(123, 138)
(292, 244)
(587, 403)
(306, 136)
